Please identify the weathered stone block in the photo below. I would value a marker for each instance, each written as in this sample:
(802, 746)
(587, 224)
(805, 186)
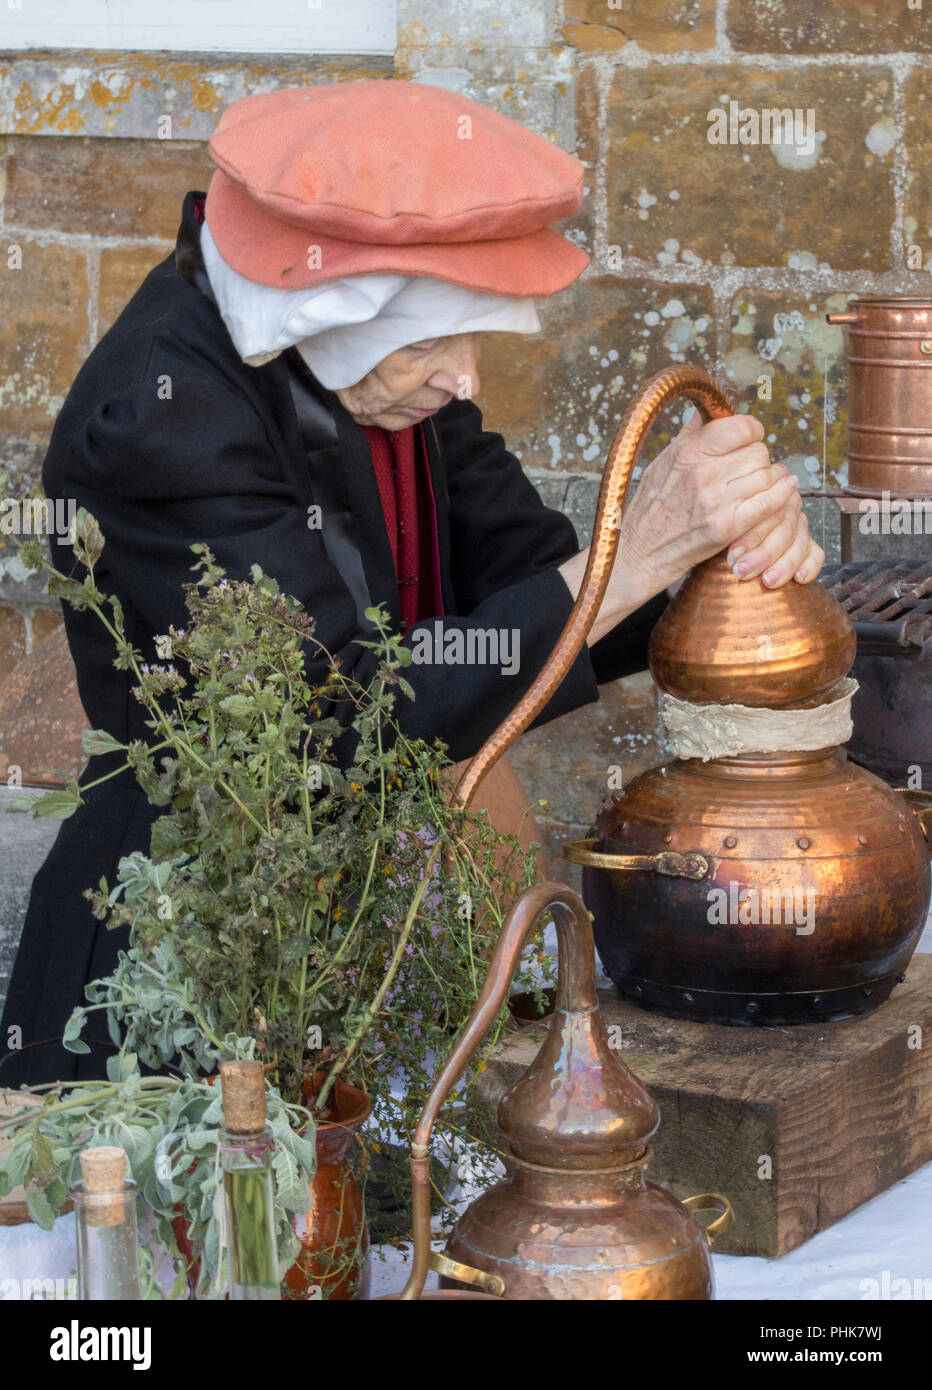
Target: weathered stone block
(12, 640)
(102, 187)
(917, 220)
(21, 588)
(782, 348)
(122, 271)
(41, 716)
(493, 24)
(828, 200)
(87, 92)
(657, 26)
(22, 629)
(24, 843)
(857, 26)
(558, 396)
(43, 330)
(21, 455)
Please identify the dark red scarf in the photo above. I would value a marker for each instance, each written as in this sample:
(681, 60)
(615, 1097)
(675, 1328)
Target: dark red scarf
(399, 458)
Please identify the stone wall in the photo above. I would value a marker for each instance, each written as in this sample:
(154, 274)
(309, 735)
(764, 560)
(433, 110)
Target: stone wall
(728, 255)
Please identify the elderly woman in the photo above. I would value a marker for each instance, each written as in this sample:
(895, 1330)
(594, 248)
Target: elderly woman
(293, 385)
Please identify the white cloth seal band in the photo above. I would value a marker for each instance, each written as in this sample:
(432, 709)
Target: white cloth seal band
(724, 731)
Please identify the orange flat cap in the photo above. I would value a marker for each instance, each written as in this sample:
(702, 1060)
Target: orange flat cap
(317, 183)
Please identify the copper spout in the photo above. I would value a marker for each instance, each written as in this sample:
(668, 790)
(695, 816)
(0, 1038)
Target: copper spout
(611, 1116)
(712, 403)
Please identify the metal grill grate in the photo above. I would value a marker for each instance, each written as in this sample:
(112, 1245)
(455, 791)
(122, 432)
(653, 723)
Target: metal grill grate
(889, 602)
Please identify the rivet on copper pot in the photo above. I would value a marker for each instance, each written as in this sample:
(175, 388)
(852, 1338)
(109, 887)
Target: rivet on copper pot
(804, 842)
(752, 1008)
(730, 841)
(667, 839)
(817, 1002)
(862, 839)
(901, 979)
(902, 826)
(688, 999)
(638, 989)
(867, 993)
(926, 346)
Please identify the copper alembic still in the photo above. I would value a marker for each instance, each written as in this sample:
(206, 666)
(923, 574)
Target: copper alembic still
(760, 877)
(576, 1217)
(762, 805)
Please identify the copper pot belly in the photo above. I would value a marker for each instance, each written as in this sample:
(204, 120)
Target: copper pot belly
(553, 1234)
(814, 887)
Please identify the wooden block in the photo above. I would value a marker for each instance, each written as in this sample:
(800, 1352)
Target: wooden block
(834, 1112)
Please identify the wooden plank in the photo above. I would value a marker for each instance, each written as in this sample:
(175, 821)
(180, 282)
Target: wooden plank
(797, 1126)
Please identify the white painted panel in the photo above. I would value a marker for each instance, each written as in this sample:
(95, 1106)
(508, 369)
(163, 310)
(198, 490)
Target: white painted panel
(231, 26)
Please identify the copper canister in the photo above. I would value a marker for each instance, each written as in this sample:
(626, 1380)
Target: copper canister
(890, 396)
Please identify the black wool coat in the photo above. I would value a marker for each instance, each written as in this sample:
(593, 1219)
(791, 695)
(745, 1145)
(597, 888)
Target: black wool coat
(168, 438)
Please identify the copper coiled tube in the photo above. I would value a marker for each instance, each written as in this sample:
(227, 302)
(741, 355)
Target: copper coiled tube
(657, 393)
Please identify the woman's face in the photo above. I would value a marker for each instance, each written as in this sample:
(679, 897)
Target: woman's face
(414, 382)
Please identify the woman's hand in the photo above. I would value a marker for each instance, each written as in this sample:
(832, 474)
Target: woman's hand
(778, 549)
(714, 486)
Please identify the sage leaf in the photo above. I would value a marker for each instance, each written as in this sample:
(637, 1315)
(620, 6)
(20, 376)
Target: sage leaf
(58, 805)
(41, 1210)
(97, 741)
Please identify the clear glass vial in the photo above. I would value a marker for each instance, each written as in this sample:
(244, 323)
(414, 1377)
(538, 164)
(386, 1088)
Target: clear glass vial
(246, 1147)
(248, 1185)
(105, 1228)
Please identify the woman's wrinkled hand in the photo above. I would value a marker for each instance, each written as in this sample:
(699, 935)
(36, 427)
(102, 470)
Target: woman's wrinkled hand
(715, 486)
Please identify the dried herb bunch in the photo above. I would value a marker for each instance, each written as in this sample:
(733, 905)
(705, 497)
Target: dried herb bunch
(328, 918)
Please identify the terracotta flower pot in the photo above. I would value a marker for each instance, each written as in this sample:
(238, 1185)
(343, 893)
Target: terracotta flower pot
(334, 1258)
(335, 1243)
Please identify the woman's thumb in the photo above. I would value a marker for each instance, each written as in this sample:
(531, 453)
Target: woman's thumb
(691, 422)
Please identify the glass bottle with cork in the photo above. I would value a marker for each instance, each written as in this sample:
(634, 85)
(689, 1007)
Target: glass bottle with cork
(105, 1227)
(246, 1148)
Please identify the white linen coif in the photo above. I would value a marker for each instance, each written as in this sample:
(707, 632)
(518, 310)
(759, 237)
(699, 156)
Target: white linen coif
(344, 328)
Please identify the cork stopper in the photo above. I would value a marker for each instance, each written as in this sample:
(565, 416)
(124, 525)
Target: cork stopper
(243, 1085)
(103, 1171)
